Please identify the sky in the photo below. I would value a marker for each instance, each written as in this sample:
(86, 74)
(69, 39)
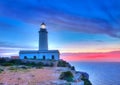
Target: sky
(82, 30)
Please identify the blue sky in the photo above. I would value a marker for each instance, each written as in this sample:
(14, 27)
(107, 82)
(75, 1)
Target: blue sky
(73, 26)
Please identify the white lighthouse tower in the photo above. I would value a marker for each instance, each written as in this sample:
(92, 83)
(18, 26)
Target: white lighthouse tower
(42, 53)
(43, 37)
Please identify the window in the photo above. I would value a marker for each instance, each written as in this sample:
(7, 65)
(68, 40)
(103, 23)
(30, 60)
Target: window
(43, 57)
(53, 57)
(25, 57)
(34, 57)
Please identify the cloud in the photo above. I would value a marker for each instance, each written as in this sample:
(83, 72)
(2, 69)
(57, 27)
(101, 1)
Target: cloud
(13, 45)
(35, 11)
(9, 49)
(5, 25)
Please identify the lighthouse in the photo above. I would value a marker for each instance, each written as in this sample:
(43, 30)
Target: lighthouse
(43, 37)
(43, 53)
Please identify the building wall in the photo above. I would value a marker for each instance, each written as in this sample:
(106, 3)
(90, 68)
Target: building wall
(40, 56)
(43, 39)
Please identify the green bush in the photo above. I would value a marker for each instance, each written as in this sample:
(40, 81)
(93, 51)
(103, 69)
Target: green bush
(68, 76)
(10, 62)
(2, 60)
(1, 70)
(15, 61)
(7, 64)
(86, 81)
(72, 68)
(39, 65)
(13, 68)
(31, 64)
(51, 65)
(62, 63)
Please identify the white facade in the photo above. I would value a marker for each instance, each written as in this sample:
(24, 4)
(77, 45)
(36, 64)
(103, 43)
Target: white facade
(43, 52)
(44, 55)
(43, 39)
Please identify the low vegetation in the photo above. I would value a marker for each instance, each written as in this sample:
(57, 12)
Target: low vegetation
(68, 76)
(18, 62)
(72, 68)
(13, 69)
(7, 62)
(18, 68)
(86, 80)
(1, 70)
(62, 63)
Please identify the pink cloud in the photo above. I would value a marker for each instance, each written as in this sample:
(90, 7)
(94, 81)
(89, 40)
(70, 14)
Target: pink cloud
(106, 56)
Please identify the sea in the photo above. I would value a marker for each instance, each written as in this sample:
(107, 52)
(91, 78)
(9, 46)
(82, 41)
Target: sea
(100, 73)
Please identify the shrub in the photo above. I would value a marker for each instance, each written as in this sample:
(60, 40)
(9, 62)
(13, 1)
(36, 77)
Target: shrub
(86, 81)
(7, 64)
(23, 67)
(15, 61)
(31, 64)
(10, 62)
(72, 68)
(51, 64)
(68, 76)
(13, 68)
(62, 63)
(1, 70)
(2, 60)
(39, 65)
(46, 65)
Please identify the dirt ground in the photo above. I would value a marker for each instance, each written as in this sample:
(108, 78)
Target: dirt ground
(29, 76)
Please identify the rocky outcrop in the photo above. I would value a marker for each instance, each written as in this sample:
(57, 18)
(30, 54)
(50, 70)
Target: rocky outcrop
(79, 78)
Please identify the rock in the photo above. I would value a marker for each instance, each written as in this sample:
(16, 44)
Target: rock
(59, 82)
(23, 67)
(77, 77)
(86, 75)
(78, 83)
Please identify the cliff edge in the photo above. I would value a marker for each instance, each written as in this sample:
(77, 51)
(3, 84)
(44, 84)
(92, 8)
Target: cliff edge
(30, 72)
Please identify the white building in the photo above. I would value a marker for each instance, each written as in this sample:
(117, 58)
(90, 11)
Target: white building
(43, 52)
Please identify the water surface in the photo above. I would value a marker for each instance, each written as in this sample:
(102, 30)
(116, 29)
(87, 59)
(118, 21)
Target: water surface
(101, 73)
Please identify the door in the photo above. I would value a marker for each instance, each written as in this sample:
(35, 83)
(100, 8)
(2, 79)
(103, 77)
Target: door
(43, 57)
(53, 57)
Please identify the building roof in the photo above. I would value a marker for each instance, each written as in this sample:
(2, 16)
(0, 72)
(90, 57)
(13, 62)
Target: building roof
(38, 51)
